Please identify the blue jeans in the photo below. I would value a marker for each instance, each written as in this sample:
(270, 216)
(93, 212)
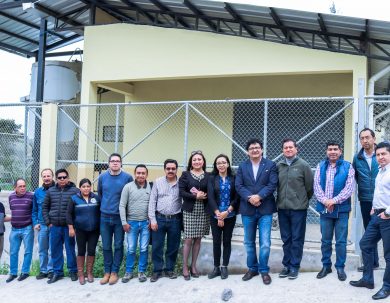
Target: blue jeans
(338, 226)
(16, 237)
(112, 226)
(251, 223)
(59, 235)
(141, 229)
(377, 229)
(45, 261)
(171, 228)
(292, 224)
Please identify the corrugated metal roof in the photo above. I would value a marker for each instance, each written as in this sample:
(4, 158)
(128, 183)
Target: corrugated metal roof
(19, 28)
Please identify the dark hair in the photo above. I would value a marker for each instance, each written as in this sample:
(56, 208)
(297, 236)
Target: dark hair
(17, 180)
(215, 169)
(62, 170)
(170, 161)
(383, 145)
(52, 173)
(367, 129)
(83, 181)
(115, 155)
(189, 165)
(285, 140)
(253, 141)
(141, 166)
(333, 143)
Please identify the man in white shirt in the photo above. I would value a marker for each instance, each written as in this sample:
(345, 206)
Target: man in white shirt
(379, 226)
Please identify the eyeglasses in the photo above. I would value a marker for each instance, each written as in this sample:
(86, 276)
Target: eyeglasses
(62, 177)
(196, 152)
(115, 161)
(254, 148)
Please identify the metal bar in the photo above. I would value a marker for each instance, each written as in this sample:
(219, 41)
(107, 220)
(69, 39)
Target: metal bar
(16, 50)
(35, 113)
(116, 128)
(61, 54)
(217, 127)
(20, 37)
(384, 113)
(25, 142)
(153, 131)
(83, 131)
(265, 128)
(41, 60)
(319, 126)
(186, 123)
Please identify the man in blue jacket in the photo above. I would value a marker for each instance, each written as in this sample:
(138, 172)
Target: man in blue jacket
(45, 262)
(256, 181)
(366, 169)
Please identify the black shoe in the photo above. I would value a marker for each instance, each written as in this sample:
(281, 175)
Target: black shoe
(11, 278)
(341, 274)
(50, 275)
(41, 276)
(284, 273)
(361, 268)
(73, 276)
(155, 276)
(215, 273)
(54, 279)
(194, 274)
(293, 274)
(249, 275)
(266, 278)
(381, 294)
(23, 277)
(362, 283)
(170, 274)
(224, 272)
(324, 272)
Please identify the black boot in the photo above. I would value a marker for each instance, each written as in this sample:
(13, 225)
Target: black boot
(215, 273)
(224, 272)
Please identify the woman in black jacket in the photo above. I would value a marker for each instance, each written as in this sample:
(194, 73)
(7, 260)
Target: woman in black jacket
(83, 219)
(193, 190)
(223, 204)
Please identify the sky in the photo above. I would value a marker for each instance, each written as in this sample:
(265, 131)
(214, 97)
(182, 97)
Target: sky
(15, 70)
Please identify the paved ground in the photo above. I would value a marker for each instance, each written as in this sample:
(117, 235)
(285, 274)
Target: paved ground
(304, 289)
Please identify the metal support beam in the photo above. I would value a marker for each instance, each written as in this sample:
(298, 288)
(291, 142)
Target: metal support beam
(92, 14)
(14, 4)
(324, 30)
(279, 23)
(238, 19)
(16, 50)
(20, 37)
(137, 8)
(166, 9)
(199, 14)
(56, 15)
(41, 60)
(109, 10)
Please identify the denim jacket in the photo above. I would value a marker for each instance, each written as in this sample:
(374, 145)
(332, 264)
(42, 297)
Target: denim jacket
(39, 197)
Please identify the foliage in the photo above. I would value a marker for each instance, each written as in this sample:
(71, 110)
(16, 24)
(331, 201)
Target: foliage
(4, 269)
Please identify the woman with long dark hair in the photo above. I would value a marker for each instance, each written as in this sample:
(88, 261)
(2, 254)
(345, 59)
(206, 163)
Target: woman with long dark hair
(83, 219)
(223, 204)
(193, 190)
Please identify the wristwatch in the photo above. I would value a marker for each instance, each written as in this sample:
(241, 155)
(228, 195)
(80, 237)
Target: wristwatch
(386, 214)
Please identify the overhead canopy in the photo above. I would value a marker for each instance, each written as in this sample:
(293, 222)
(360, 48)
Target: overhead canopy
(20, 25)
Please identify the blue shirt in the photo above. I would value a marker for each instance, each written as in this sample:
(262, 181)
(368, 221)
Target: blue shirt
(39, 197)
(224, 202)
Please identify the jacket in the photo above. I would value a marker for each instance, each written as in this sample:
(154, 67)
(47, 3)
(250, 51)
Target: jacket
(213, 194)
(84, 216)
(55, 205)
(364, 176)
(186, 182)
(295, 186)
(263, 185)
(39, 197)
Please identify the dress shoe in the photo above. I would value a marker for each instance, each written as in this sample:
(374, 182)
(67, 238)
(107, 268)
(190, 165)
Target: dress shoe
(224, 272)
(215, 273)
(284, 273)
(293, 274)
(266, 278)
(341, 274)
(41, 276)
(324, 272)
(362, 283)
(249, 275)
(169, 274)
(11, 278)
(23, 277)
(157, 275)
(381, 294)
(105, 279)
(194, 274)
(361, 268)
(54, 279)
(73, 276)
(113, 278)
(50, 275)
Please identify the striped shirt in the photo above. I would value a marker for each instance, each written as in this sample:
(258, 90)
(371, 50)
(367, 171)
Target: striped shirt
(346, 192)
(164, 199)
(21, 209)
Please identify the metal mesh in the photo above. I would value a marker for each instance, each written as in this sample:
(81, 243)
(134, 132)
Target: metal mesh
(380, 109)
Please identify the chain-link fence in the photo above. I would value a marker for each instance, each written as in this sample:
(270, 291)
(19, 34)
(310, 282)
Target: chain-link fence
(20, 129)
(378, 116)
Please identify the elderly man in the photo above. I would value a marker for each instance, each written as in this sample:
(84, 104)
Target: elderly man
(333, 187)
(378, 227)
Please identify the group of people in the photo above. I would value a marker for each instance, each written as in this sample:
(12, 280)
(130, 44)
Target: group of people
(158, 212)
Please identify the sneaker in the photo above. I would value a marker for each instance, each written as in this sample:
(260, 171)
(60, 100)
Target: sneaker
(284, 273)
(42, 275)
(141, 277)
(127, 277)
(293, 274)
(157, 275)
(170, 274)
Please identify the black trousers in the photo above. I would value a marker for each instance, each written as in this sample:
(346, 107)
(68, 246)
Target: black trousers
(223, 234)
(365, 208)
(86, 241)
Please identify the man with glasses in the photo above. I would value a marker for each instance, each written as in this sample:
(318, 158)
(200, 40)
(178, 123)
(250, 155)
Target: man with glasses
(256, 181)
(54, 212)
(165, 221)
(110, 186)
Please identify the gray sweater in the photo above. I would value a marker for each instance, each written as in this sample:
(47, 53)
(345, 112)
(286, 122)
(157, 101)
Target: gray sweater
(134, 202)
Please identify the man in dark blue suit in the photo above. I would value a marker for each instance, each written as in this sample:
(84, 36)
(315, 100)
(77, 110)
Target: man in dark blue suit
(256, 181)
